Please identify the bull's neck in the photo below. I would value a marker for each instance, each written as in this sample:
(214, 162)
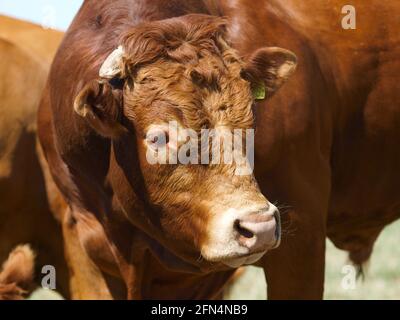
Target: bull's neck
(148, 10)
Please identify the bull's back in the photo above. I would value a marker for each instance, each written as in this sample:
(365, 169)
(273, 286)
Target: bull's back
(349, 87)
(361, 68)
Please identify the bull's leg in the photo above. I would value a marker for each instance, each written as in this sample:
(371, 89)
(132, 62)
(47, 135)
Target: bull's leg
(296, 269)
(85, 251)
(86, 281)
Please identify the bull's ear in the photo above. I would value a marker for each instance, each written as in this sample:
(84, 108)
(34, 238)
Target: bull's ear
(268, 69)
(101, 106)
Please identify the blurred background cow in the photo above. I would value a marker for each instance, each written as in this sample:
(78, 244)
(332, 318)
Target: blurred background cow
(26, 52)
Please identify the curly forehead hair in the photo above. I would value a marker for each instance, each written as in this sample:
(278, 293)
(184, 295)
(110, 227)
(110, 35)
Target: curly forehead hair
(182, 39)
(185, 68)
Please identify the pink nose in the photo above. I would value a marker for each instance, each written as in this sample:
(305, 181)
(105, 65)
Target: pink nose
(259, 231)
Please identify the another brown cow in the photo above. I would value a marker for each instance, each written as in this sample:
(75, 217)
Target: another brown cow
(325, 144)
(26, 52)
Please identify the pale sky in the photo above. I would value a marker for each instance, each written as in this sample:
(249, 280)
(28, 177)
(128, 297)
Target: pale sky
(56, 14)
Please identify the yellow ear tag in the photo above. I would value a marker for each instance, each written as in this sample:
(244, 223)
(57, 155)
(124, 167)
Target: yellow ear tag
(259, 92)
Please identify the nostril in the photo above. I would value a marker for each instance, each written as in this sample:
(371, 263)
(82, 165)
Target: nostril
(243, 231)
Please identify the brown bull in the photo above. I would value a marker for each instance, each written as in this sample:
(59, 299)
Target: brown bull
(26, 51)
(325, 144)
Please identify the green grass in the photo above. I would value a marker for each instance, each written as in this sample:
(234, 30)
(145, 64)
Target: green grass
(382, 276)
(382, 280)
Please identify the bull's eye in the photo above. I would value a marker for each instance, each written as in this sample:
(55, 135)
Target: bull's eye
(157, 139)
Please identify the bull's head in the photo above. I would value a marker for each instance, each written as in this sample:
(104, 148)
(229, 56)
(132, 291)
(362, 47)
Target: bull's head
(178, 76)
